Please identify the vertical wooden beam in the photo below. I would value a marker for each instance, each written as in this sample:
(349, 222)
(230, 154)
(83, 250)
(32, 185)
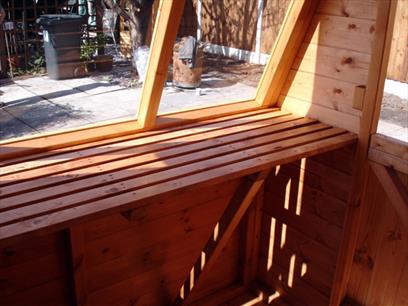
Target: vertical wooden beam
(230, 219)
(77, 240)
(379, 93)
(161, 50)
(385, 19)
(284, 52)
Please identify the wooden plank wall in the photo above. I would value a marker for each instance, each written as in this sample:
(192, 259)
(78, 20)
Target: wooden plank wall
(139, 257)
(333, 60)
(380, 268)
(36, 272)
(144, 261)
(303, 214)
(398, 62)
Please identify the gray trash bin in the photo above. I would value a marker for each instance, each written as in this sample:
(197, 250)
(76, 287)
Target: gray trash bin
(62, 44)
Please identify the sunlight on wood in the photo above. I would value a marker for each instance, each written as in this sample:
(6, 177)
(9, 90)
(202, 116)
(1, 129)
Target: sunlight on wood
(271, 243)
(303, 269)
(216, 231)
(182, 292)
(277, 169)
(254, 301)
(202, 260)
(291, 270)
(273, 297)
(283, 236)
(300, 186)
(192, 278)
(287, 194)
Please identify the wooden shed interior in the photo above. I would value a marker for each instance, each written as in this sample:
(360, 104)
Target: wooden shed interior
(288, 199)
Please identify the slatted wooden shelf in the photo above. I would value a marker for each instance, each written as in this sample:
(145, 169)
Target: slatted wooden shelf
(56, 189)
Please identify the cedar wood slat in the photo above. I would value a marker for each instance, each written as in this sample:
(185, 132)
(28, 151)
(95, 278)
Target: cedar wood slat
(255, 153)
(171, 158)
(158, 172)
(83, 150)
(141, 146)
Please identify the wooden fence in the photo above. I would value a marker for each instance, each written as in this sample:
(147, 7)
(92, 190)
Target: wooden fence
(398, 62)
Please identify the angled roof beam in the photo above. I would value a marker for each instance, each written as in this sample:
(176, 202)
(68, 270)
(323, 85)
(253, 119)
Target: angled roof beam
(161, 49)
(284, 52)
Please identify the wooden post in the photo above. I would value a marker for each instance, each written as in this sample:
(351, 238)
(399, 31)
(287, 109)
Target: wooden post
(385, 19)
(161, 50)
(290, 38)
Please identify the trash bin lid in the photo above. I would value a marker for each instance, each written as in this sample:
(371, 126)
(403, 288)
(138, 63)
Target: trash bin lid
(57, 19)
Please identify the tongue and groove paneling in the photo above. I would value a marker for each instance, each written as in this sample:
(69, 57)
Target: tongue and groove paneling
(332, 61)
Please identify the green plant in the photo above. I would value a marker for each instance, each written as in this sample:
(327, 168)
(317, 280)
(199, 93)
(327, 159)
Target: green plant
(101, 39)
(37, 64)
(88, 49)
(90, 46)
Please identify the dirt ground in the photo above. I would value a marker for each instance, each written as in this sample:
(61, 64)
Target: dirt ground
(215, 66)
(395, 110)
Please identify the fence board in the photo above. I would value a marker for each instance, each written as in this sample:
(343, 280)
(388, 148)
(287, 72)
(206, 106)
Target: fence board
(398, 62)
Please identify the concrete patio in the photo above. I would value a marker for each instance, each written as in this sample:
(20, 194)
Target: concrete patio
(38, 104)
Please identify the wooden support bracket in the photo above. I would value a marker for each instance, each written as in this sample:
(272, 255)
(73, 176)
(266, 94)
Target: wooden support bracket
(358, 99)
(230, 219)
(394, 189)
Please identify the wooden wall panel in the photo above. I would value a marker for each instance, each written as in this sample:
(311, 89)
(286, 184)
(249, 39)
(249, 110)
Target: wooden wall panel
(303, 214)
(333, 60)
(142, 256)
(35, 272)
(380, 267)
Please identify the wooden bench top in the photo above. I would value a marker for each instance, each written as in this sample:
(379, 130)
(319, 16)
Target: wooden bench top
(56, 189)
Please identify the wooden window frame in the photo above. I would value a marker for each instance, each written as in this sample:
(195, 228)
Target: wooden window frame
(367, 139)
(293, 29)
(383, 149)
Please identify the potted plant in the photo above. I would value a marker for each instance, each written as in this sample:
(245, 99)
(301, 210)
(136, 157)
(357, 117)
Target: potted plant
(88, 49)
(104, 62)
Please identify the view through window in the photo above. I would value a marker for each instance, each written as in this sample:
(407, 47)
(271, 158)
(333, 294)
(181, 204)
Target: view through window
(394, 107)
(221, 51)
(73, 63)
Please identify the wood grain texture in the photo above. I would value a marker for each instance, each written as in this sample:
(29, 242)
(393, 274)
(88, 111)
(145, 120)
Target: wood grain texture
(302, 227)
(379, 270)
(284, 51)
(117, 175)
(164, 36)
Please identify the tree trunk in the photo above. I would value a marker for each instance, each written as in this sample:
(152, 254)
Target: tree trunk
(140, 12)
